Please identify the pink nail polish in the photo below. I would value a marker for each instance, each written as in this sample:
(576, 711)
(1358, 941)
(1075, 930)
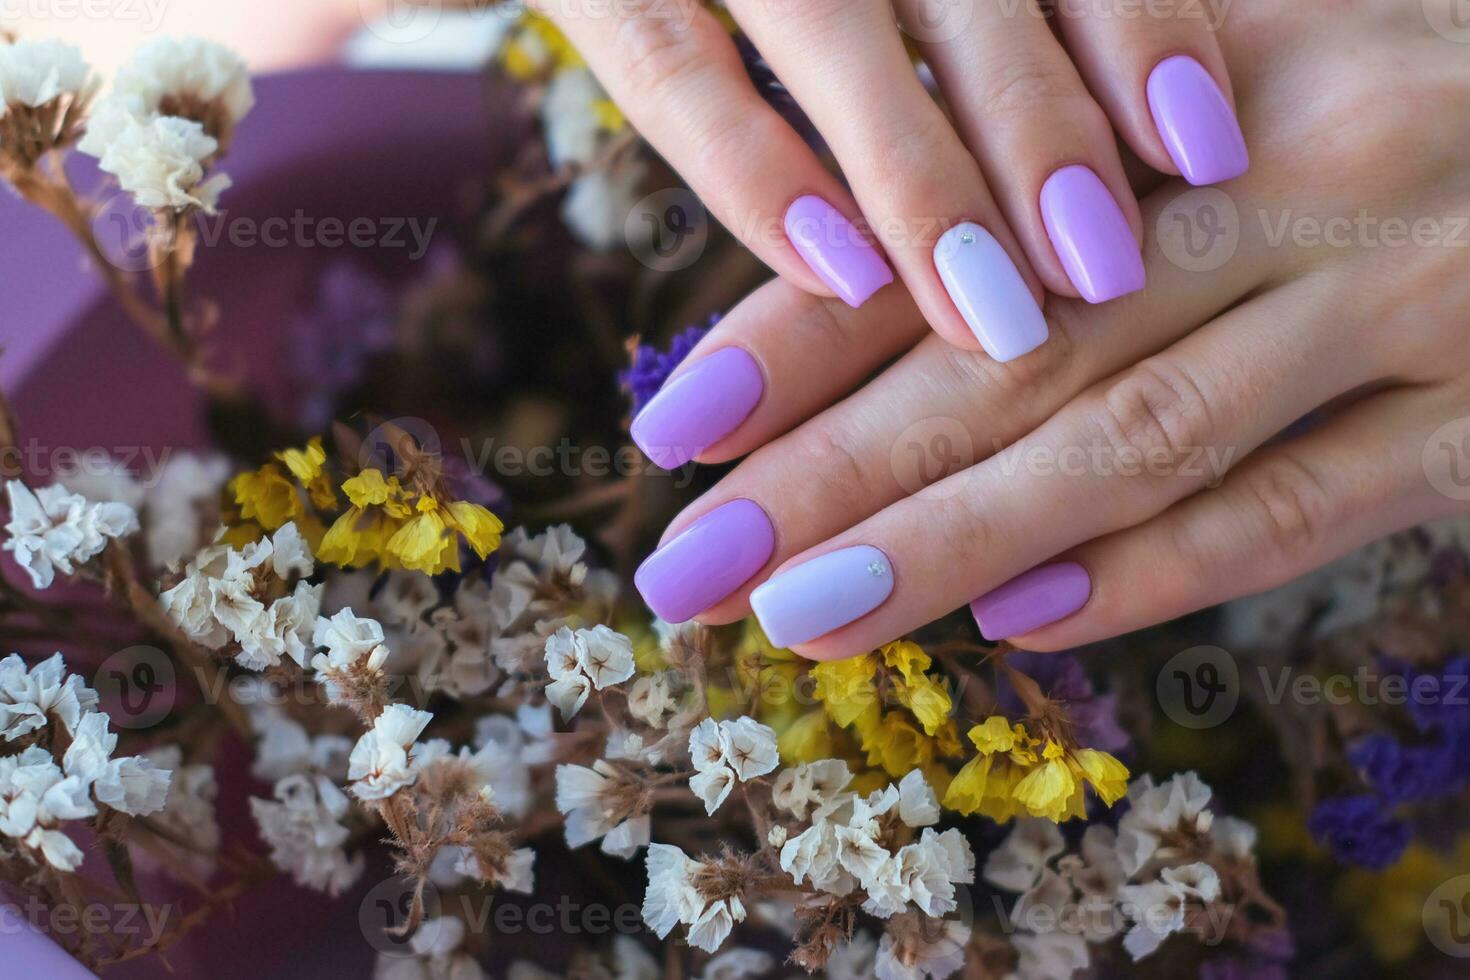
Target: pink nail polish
(698, 408)
(1032, 600)
(835, 250)
(707, 561)
(1196, 123)
(1091, 235)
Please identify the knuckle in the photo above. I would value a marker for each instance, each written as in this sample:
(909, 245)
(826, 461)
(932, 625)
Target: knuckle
(1156, 415)
(969, 530)
(824, 324)
(1015, 87)
(839, 465)
(811, 17)
(917, 170)
(1289, 505)
(657, 52)
(987, 384)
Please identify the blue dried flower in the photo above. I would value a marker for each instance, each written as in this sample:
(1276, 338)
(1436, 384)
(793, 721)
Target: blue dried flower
(1358, 831)
(651, 367)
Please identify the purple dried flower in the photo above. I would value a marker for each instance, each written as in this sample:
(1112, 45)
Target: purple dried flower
(1358, 831)
(651, 367)
(1062, 678)
(1400, 774)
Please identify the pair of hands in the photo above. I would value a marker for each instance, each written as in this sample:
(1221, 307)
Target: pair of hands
(1131, 468)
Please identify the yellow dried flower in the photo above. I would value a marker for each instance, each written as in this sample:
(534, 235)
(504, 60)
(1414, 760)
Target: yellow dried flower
(1008, 777)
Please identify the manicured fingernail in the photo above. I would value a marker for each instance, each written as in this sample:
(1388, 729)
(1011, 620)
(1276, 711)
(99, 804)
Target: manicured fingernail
(698, 408)
(1196, 123)
(1032, 600)
(818, 596)
(989, 292)
(1091, 235)
(836, 251)
(707, 561)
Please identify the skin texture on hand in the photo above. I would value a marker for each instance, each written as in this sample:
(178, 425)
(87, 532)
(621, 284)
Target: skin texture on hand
(1139, 449)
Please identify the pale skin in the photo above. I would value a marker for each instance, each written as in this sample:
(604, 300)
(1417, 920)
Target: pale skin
(1028, 94)
(1355, 108)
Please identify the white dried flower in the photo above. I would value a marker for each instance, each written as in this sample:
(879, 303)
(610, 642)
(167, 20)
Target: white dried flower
(161, 163)
(673, 899)
(811, 785)
(34, 72)
(713, 786)
(726, 752)
(598, 203)
(917, 804)
(1016, 865)
(1177, 805)
(1049, 955)
(854, 960)
(303, 827)
(284, 629)
(651, 699)
(571, 119)
(53, 529)
(737, 964)
(379, 765)
(588, 798)
(812, 855)
(1159, 908)
(582, 661)
(188, 816)
(187, 77)
(131, 784)
(750, 747)
(911, 950)
(29, 698)
(35, 797)
(178, 506)
(347, 637)
(434, 954)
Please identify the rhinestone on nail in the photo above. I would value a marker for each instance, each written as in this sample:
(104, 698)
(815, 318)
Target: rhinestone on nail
(877, 569)
(967, 237)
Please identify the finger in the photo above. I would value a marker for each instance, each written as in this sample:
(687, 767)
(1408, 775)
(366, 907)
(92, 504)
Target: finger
(1287, 510)
(1163, 81)
(1115, 456)
(776, 359)
(936, 411)
(1045, 146)
(920, 189)
(673, 68)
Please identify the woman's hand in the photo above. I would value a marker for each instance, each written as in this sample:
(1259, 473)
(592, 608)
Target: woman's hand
(1019, 190)
(1132, 469)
